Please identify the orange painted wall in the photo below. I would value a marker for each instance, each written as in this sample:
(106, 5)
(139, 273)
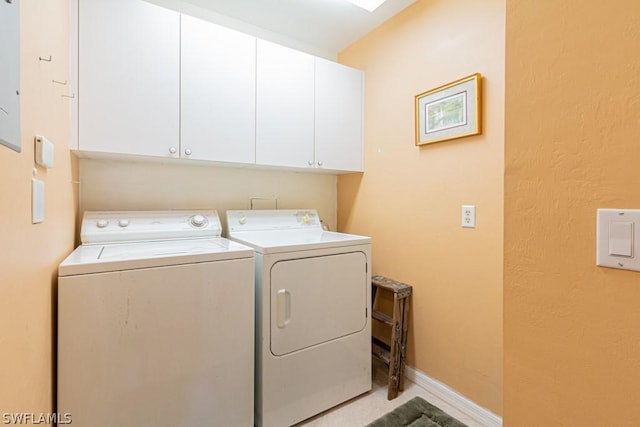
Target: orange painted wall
(409, 198)
(30, 254)
(571, 329)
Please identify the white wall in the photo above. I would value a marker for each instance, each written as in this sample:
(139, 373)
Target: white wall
(128, 185)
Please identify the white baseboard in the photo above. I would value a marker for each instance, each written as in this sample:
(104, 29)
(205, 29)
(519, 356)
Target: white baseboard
(481, 415)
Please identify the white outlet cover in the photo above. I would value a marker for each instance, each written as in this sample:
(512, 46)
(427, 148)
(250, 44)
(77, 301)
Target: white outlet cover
(618, 239)
(468, 215)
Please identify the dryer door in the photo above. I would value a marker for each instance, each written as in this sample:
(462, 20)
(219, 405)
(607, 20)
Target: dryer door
(318, 299)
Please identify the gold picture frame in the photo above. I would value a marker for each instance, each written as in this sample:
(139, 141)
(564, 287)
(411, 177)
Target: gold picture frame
(450, 111)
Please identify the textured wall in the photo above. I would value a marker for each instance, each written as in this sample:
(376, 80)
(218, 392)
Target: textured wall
(571, 337)
(409, 198)
(30, 254)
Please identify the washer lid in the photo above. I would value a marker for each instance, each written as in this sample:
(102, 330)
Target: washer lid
(272, 241)
(96, 258)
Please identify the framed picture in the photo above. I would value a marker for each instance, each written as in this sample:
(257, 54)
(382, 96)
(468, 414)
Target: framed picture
(450, 111)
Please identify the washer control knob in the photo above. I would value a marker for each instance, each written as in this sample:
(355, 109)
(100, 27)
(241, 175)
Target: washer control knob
(123, 223)
(102, 223)
(197, 220)
(172, 150)
(243, 220)
(306, 219)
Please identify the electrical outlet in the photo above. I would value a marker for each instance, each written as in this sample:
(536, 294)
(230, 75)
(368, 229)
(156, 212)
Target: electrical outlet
(469, 216)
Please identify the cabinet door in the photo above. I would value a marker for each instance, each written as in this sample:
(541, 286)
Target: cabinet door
(217, 93)
(129, 77)
(339, 116)
(284, 106)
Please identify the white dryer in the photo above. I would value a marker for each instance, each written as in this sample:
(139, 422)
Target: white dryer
(313, 316)
(156, 323)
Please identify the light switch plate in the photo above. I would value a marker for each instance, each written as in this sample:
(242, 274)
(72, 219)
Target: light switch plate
(618, 239)
(37, 201)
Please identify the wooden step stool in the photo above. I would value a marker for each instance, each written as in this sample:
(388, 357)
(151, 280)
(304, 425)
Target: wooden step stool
(392, 354)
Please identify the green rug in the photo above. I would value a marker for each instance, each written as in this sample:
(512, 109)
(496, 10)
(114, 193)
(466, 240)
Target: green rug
(417, 413)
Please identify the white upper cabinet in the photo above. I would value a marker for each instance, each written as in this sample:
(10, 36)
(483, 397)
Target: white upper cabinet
(218, 84)
(284, 106)
(309, 111)
(156, 83)
(129, 77)
(338, 116)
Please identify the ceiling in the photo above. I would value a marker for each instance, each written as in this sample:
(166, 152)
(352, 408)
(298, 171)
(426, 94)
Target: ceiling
(329, 25)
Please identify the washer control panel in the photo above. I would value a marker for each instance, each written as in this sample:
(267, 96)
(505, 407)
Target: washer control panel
(126, 226)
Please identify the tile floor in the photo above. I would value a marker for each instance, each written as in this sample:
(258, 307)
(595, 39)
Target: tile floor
(361, 410)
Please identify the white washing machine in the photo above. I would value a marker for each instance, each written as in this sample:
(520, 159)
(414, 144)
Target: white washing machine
(156, 323)
(313, 315)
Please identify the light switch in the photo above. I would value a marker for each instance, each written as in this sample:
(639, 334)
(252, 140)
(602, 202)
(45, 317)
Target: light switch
(37, 201)
(621, 238)
(618, 234)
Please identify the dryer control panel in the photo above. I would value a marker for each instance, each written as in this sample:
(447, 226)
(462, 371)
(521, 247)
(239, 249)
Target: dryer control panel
(127, 226)
(281, 219)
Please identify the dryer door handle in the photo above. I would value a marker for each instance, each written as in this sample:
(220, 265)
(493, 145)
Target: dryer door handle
(283, 302)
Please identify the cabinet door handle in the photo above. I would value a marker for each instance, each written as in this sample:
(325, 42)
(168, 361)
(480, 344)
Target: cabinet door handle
(187, 151)
(319, 162)
(172, 150)
(310, 162)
